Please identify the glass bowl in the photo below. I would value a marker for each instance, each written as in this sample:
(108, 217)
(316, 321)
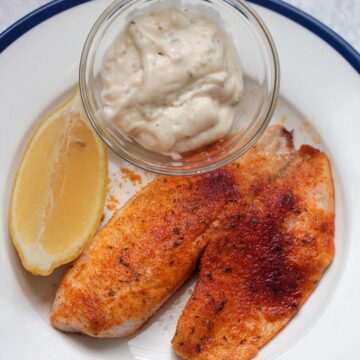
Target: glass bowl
(260, 65)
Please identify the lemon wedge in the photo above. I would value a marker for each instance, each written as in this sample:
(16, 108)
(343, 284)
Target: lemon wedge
(59, 191)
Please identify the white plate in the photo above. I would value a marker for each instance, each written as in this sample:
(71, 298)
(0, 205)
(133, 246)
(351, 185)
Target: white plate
(38, 70)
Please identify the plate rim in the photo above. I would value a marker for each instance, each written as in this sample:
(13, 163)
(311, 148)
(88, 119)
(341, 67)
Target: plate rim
(342, 64)
(54, 7)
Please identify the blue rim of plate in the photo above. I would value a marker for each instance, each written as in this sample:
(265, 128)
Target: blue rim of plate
(54, 7)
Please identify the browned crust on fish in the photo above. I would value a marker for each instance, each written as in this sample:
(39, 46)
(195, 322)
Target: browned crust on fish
(264, 258)
(142, 256)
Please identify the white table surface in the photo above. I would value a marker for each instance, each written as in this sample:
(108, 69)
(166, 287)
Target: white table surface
(343, 16)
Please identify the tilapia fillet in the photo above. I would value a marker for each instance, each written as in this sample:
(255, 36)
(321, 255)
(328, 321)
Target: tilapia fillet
(264, 258)
(141, 256)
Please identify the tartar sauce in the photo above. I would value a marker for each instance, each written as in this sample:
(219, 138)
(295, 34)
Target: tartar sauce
(171, 81)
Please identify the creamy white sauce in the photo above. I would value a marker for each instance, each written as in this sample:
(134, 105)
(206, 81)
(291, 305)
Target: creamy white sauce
(171, 81)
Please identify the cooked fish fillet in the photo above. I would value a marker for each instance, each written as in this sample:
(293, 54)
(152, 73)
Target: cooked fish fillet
(141, 256)
(265, 256)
